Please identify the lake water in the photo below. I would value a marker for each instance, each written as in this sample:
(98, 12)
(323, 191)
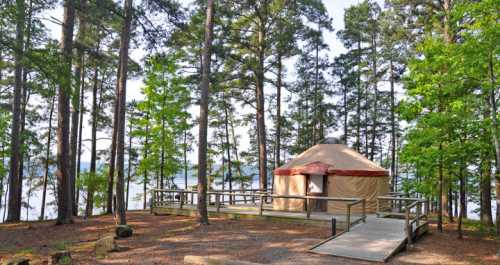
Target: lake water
(135, 200)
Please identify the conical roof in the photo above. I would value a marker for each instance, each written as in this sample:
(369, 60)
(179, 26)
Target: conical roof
(336, 159)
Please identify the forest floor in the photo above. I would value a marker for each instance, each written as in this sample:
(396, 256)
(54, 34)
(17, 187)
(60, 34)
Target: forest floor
(167, 239)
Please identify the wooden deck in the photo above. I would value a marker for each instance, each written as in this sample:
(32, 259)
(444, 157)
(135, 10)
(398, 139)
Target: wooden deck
(376, 240)
(251, 211)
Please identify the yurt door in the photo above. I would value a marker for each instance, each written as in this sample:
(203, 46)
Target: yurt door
(317, 187)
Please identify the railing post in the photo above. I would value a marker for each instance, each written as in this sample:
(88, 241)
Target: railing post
(192, 198)
(152, 202)
(181, 194)
(217, 202)
(363, 205)
(261, 208)
(348, 217)
(419, 209)
(308, 207)
(408, 226)
(378, 207)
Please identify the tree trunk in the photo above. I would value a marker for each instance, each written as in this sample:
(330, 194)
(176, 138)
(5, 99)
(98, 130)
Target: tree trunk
(65, 212)
(204, 87)
(14, 208)
(146, 146)
(122, 85)
(496, 141)
(462, 201)
(277, 158)
(393, 129)
(93, 146)
(316, 90)
(485, 191)
(47, 160)
(440, 188)
(80, 128)
(75, 101)
(260, 116)
(450, 202)
(185, 160)
(358, 101)
(129, 166)
(375, 101)
(228, 149)
(25, 99)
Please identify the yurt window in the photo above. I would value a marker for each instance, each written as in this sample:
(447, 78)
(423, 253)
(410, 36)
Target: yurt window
(316, 184)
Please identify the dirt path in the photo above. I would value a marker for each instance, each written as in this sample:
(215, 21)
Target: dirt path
(167, 239)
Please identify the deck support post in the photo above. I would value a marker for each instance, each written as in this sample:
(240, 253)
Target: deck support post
(181, 197)
(348, 218)
(308, 208)
(152, 204)
(408, 226)
(363, 205)
(261, 208)
(217, 202)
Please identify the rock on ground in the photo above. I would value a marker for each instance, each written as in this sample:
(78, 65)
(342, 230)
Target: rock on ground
(123, 231)
(17, 261)
(105, 245)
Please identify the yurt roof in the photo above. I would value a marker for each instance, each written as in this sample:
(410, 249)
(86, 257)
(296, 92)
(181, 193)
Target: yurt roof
(333, 159)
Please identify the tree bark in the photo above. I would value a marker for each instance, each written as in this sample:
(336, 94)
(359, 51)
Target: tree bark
(65, 212)
(496, 141)
(93, 146)
(145, 176)
(47, 160)
(228, 149)
(14, 207)
(260, 115)
(75, 102)
(129, 166)
(486, 217)
(358, 100)
(203, 123)
(375, 101)
(80, 128)
(440, 188)
(122, 85)
(277, 156)
(393, 129)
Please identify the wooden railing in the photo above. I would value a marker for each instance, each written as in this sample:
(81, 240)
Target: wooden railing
(415, 211)
(182, 197)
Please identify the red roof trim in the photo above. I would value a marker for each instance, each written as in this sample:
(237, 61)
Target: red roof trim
(358, 173)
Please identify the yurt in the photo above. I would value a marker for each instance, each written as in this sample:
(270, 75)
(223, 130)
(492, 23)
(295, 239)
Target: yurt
(330, 170)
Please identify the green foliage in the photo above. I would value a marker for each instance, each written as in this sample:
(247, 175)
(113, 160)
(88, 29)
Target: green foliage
(165, 105)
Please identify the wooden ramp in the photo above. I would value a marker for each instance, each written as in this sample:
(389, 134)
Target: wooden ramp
(376, 240)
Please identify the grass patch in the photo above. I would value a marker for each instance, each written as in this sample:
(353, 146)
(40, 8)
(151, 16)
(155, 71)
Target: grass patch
(61, 245)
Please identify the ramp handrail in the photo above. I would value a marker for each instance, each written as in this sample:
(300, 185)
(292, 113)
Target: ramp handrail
(415, 211)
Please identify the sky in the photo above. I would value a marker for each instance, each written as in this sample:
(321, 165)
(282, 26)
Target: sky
(335, 9)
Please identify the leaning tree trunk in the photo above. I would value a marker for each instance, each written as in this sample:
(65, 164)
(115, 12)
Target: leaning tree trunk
(14, 208)
(64, 209)
(203, 125)
(122, 84)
